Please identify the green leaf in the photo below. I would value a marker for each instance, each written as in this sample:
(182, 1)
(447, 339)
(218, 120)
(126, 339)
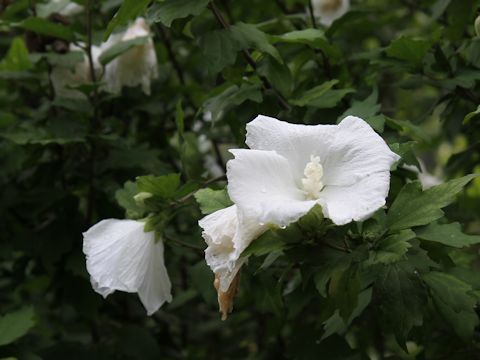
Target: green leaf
(332, 262)
(125, 198)
(407, 128)
(267, 243)
(17, 57)
(162, 186)
(212, 200)
(169, 10)
(412, 207)
(252, 37)
(393, 248)
(231, 97)
(409, 49)
(278, 75)
(471, 115)
(336, 325)
(16, 324)
(401, 300)
(344, 289)
(180, 118)
(129, 10)
(46, 27)
(447, 234)
(120, 48)
(314, 38)
(367, 110)
(454, 302)
(322, 96)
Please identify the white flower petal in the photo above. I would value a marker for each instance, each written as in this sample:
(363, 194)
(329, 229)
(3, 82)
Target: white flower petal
(227, 234)
(358, 201)
(296, 142)
(121, 256)
(356, 152)
(261, 184)
(327, 11)
(137, 66)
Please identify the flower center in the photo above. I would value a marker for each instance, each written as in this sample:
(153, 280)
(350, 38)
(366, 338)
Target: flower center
(312, 182)
(330, 6)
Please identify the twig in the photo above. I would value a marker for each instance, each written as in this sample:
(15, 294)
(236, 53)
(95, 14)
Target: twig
(218, 15)
(171, 54)
(204, 185)
(94, 121)
(312, 15)
(183, 243)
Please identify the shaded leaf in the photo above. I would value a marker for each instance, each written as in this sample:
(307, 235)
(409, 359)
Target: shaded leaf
(212, 200)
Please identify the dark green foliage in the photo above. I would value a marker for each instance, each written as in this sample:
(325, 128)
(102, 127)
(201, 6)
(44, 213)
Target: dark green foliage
(403, 284)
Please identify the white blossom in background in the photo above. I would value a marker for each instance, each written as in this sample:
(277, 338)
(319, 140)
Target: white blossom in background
(64, 78)
(426, 179)
(227, 233)
(62, 7)
(121, 256)
(137, 66)
(290, 168)
(327, 11)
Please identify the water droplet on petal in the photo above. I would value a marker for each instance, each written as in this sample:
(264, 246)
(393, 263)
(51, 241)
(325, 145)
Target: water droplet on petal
(283, 226)
(261, 224)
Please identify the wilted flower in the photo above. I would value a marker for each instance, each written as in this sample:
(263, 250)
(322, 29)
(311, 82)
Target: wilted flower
(121, 256)
(137, 66)
(327, 11)
(65, 77)
(290, 168)
(228, 232)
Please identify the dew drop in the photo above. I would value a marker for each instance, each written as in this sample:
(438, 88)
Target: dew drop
(261, 224)
(283, 226)
(263, 190)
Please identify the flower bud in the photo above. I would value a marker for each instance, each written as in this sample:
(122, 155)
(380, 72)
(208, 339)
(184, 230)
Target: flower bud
(141, 197)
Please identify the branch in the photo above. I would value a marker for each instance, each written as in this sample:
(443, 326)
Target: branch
(218, 15)
(94, 121)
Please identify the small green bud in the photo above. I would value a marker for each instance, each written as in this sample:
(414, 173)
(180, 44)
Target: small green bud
(141, 197)
(477, 26)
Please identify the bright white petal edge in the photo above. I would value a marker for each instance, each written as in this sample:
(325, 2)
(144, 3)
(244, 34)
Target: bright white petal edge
(121, 256)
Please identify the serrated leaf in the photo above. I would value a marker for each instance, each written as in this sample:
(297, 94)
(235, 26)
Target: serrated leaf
(321, 96)
(169, 10)
(231, 97)
(212, 200)
(46, 27)
(162, 186)
(129, 10)
(447, 234)
(452, 298)
(125, 198)
(120, 48)
(412, 207)
(17, 58)
(401, 300)
(409, 49)
(393, 248)
(252, 37)
(332, 262)
(344, 289)
(16, 324)
(315, 38)
(269, 242)
(367, 110)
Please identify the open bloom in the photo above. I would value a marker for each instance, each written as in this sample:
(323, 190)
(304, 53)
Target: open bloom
(137, 66)
(227, 232)
(327, 11)
(290, 168)
(121, 256)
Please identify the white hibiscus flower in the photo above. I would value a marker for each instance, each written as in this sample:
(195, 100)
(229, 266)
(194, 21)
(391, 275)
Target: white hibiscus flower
(327, 11)
(121, 256)
(290, 168)
(137, 66)
(228, 233)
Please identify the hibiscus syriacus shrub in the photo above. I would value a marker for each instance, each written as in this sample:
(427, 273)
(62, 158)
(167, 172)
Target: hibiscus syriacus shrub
(189, 179)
